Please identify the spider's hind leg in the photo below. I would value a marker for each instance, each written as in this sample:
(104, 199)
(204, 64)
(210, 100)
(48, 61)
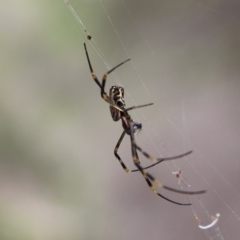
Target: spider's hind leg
(118, 157)
(116, 153)
(147, 178)
(150, 178)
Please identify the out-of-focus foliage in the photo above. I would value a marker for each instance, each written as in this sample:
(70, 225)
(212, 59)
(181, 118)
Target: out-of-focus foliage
(59, 178)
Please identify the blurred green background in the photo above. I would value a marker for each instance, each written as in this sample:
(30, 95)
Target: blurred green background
(59, 178)
(47, 143)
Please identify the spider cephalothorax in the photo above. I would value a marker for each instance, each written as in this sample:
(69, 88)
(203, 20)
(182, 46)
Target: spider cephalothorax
(118, 110)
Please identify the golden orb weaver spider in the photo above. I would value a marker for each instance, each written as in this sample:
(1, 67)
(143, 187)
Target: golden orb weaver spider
(119, 111)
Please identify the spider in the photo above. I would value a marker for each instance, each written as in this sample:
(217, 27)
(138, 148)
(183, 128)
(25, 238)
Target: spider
(118, 111)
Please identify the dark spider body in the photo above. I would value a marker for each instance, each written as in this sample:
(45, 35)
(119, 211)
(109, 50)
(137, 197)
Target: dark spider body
(116, 95)
(118, 110)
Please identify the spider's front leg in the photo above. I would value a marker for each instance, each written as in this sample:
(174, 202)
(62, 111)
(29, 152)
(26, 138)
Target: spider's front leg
(102, 86)
(91, 69)
(104, 79)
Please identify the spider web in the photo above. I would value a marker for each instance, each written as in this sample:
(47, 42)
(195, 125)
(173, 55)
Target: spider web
(174, 49)
(59, 177)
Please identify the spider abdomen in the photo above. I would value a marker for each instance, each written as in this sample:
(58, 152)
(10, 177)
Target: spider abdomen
(116, 95)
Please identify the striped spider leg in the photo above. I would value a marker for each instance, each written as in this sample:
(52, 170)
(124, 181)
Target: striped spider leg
(150, 178)
(118, 110)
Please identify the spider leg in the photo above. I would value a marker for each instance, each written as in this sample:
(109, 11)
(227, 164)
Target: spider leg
(104, 79)
(120, 160)
(118, 157)
(91, 69)
(159, 160)
(149, 178)
(160, 184)
(116, 154)
(103, 94)
(146, 175)
(134, 107)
